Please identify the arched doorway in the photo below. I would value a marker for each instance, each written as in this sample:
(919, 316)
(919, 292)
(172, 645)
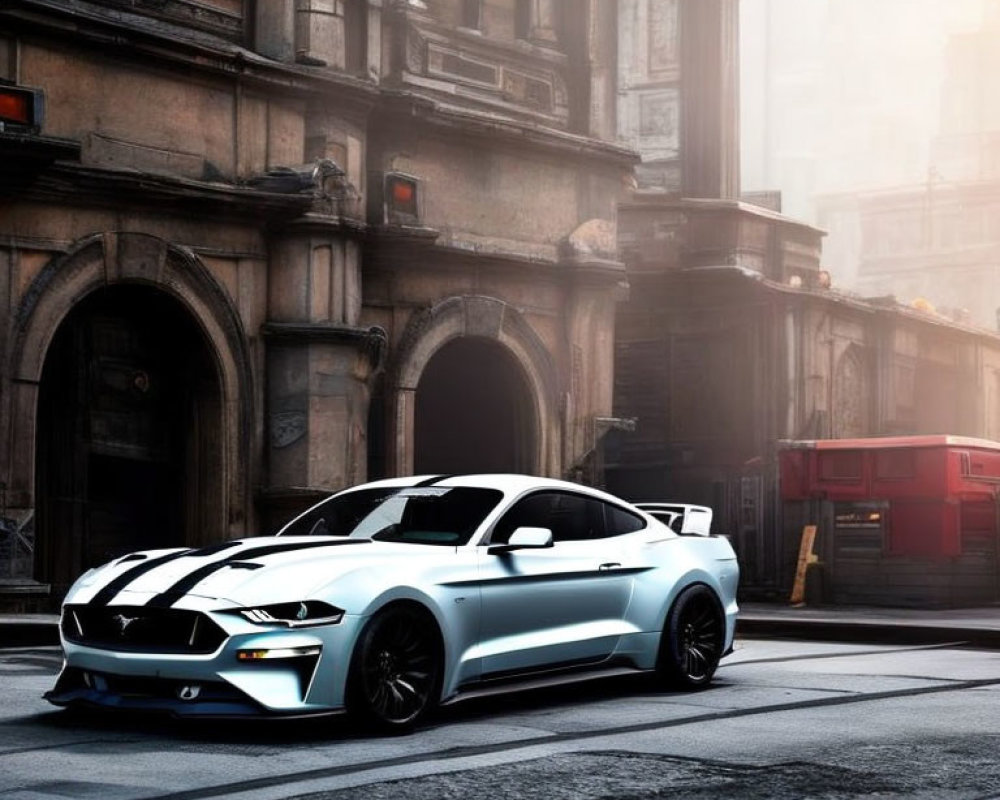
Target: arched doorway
(474, 411)
(129, 434)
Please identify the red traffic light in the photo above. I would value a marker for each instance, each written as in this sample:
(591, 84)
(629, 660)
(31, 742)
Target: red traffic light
(20, 107)
(401, 195)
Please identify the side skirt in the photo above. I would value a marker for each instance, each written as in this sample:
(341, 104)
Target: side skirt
(561, 676)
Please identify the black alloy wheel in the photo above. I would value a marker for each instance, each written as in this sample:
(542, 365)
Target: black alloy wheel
(692, 640)
(395, 670)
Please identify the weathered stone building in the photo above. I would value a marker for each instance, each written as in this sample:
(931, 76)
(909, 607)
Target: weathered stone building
(254, 250)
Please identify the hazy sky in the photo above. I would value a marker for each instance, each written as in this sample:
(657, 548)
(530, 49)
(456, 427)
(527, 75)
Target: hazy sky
(839, 95)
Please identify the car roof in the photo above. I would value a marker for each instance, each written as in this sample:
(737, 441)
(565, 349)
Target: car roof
(511, 483)
(508, 483)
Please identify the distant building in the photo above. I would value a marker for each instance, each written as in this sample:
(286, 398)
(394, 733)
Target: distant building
(939, 240)
(841, 96)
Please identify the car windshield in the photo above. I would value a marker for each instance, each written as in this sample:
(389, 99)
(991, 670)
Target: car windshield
(419, 515)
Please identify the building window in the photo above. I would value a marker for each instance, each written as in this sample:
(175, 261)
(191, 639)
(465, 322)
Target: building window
(472, 11)
(356, 37)
(522, 19)
(895, 464)
(840, 465)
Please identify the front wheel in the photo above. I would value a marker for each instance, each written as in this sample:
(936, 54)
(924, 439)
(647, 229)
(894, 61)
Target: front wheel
(395, 670)
(692, 640)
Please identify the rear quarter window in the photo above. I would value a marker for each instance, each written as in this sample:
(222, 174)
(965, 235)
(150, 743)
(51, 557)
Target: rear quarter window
(619, 521)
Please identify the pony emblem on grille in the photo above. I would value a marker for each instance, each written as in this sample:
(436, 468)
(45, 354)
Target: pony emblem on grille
(123, 622)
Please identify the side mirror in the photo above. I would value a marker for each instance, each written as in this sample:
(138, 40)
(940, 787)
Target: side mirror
(525, 539)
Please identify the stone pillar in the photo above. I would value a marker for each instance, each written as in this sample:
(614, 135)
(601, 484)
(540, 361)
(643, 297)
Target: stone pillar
(373, 28)
(599, 283)
(603, 55)
(542, 27)
(274, 27)
(319, 367)
(710, 165)
(319, 33)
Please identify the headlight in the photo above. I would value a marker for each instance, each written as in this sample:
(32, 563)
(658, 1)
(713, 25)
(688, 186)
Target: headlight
(301, 614)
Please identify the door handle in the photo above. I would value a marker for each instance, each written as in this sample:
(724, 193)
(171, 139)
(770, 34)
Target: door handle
(609, 565)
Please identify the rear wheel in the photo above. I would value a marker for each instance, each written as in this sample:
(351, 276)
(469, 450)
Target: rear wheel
(692, 640)
(395, 670)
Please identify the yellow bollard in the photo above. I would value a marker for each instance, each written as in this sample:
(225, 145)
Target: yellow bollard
(806, 557)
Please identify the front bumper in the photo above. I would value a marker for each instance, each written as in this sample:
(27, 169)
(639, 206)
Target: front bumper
(291, 673)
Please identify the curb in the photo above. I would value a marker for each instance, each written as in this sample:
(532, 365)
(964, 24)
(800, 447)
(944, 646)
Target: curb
(29, 634)
(890, 633)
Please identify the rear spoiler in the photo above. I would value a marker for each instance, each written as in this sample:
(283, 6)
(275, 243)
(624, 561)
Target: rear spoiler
(683, 518)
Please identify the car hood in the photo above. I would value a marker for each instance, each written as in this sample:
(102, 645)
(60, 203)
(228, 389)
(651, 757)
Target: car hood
(246, 571)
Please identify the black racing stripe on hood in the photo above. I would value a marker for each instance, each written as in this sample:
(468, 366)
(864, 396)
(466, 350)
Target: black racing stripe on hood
(188, 582)
(104, 596)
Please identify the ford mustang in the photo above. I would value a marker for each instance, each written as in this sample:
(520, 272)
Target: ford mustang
(392, 597)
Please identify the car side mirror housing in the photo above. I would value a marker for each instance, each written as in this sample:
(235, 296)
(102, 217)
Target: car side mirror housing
(525, 538)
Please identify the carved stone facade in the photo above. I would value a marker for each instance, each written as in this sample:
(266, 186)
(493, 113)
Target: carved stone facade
(258, 250)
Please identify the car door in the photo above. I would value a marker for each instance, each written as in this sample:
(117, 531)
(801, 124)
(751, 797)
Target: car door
(555, 606)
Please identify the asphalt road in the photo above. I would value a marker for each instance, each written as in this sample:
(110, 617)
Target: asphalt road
(785, 719)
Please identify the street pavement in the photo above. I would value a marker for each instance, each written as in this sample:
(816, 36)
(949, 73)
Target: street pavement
(783, 720)
(978, 627)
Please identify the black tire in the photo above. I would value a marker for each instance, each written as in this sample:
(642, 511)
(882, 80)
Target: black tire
(395, 674)
(692, 640)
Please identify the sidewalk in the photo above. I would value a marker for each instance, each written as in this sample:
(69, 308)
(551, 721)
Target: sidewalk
(979, 627)
(28, 630)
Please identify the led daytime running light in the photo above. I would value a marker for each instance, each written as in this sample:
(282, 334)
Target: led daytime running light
(278, 652)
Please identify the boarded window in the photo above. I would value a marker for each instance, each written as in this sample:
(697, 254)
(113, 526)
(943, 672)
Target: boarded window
(891, 464)
(979, 528)
(840, 465)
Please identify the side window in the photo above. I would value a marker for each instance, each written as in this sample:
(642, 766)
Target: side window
(619, 521)
(531, 511)
(570, 517)
(576, 518)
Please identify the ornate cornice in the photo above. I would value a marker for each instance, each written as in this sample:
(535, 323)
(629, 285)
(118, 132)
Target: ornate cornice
(402, 110)
(75, 184)
(369, 342)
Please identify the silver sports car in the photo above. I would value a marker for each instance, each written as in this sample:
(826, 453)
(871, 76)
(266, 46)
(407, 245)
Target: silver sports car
(392, 597)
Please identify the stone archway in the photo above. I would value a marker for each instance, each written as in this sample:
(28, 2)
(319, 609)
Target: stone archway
(486, 325)
(473, 411)
(119, 298)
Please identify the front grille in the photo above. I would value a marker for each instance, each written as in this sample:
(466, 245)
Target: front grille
(141, 629)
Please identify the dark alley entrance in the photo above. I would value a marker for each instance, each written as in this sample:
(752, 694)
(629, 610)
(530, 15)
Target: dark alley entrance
(474, 411)
(128, 444)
